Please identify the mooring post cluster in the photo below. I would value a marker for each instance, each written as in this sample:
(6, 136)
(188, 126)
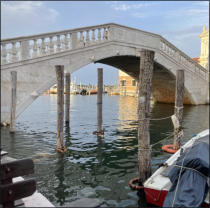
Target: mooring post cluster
(60, 104)
(144, 89)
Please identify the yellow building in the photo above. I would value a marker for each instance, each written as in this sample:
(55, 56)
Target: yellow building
(128, 85)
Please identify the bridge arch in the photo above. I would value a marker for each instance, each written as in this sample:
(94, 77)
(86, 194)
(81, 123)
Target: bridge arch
(120, 48)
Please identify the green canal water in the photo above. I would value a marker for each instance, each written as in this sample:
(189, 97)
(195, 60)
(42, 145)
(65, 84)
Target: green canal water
(93, 167)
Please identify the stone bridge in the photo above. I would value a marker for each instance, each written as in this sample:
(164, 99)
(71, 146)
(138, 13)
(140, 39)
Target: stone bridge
(34, 58)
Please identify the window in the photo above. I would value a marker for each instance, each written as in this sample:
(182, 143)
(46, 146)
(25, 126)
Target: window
(133, 82)
(123, 82)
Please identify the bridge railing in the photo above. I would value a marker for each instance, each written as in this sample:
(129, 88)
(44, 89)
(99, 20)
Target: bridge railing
(173, 52)
(23, 48)
(30, 47)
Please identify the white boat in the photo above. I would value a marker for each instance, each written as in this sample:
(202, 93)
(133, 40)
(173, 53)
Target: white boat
(158, 185)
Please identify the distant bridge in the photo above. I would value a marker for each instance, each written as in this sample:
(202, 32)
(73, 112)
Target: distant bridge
(34, 58)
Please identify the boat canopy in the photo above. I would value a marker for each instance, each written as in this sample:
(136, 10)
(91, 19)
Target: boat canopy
(189, 176)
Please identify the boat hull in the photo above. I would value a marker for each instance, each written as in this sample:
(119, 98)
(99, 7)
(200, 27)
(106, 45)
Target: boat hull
(157, 186)
(157, 197)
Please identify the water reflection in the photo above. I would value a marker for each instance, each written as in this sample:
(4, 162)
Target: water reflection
(92, 166)
(60, 190)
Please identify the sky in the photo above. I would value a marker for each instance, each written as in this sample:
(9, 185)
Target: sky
(180, 22)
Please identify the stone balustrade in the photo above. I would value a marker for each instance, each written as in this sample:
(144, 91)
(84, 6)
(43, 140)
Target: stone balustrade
(30, 47)
(173, 52)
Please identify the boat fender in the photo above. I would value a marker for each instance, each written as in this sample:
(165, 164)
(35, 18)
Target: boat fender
(169, 148)
(133, 186)
(63, 150)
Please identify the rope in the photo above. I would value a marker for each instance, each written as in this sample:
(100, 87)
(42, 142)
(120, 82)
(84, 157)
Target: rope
(191, 169)
(171, 135)
(178, 107)
(144, 148)
(156, 119)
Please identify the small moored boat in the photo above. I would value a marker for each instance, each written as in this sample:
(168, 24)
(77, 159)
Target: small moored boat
(93, 92)
(182, 177)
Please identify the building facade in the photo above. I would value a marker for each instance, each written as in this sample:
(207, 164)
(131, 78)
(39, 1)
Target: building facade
(204, 56)
(128, 85)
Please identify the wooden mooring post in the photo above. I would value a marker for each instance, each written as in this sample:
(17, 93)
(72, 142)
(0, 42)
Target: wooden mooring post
(178, 111)
(145, 85)
(99, 131)
(60, 106)
(13, 101)
(67, 100)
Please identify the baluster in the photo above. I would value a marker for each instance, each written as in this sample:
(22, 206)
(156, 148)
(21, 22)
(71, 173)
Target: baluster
(104, 34)
(51, 45)
(177, 55)
(179, 58)
(24, 50)
(58, 44)
(81, 40)
(14, 52)
(185, 61)
(93, 36)
(103, 37)
(108, 33)
(173, 53)
(34, 54)
(4, 54)
(43, 52)
(164, 47)
(167, 49)
(66, 47)
(161, 45)
(87, 38)
(74, 42)
(99, 34)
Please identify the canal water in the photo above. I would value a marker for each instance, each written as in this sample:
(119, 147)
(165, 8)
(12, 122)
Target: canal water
(93, 167)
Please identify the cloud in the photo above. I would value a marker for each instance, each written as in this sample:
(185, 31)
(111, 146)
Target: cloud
(139, 15)
(193, 12)
(202, 3)
(25, 17)
(118, 6)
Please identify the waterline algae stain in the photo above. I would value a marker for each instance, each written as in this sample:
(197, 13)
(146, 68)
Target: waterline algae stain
(93, 167)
